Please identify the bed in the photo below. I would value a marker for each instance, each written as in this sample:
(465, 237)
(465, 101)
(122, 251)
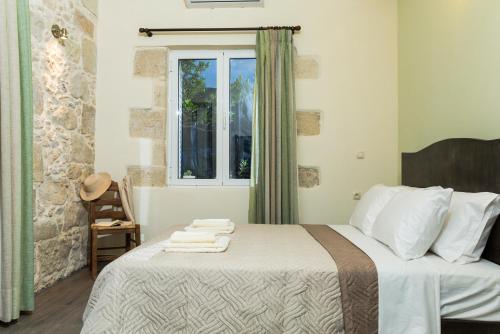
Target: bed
(464, 164)
(459, 295)
(312, 278)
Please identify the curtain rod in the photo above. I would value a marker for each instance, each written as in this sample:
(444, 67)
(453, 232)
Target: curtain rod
(149, 32)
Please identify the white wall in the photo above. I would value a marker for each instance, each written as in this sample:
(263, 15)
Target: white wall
(356, 43)
(449, 71)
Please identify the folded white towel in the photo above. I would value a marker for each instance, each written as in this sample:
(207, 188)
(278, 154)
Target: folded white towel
(192, 244)
(214, 229)
(193, 237)
(145, 253)
(220, 245)
(211, 223)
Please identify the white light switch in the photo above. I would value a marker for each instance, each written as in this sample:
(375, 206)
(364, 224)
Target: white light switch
(360, 155)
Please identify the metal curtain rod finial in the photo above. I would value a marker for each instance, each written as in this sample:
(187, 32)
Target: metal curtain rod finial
(146, 31)
(149, 31)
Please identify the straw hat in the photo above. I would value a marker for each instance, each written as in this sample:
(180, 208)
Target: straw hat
(94, 186)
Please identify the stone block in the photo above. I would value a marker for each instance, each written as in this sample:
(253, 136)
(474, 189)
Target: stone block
(79, 86)
(75, 257)
(51, 4)
(80, 150)
(46, 261)
(308, 123)
(73, 51)
(66, 117)
(91, 5)
(150, 62)
(308, 177)
(160, 94)
(37, 97)
(74, 171)
(306, 67)
(37, 163)
(74, 214)
(54, 193)
(52, 259)
(84, 23)
(86, 171)
(89, 56)
(88, 119)
(45, 230)
(74, 254)
(147, 176)
(146, 123)
(54, 63)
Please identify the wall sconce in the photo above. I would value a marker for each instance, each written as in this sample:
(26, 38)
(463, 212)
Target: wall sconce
(61, 34)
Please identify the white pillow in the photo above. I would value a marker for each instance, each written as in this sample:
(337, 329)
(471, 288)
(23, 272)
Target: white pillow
(468, 227)
(370, 205)
(411, 221)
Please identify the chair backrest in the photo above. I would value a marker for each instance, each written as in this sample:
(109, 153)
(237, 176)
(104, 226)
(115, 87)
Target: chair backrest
(108, 206)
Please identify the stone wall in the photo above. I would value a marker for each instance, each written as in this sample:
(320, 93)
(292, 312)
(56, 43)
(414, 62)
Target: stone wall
(150, 122)
(64, 109)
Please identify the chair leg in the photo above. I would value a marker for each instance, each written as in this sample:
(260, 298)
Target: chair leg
(137, 235)
(93, 265)
(89, 248)
(127, 241)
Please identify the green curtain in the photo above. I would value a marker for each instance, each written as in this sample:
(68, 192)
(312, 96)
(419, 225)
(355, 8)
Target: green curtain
(273, 184)
(16, 173)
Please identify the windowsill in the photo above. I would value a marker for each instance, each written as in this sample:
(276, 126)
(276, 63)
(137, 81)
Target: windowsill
(186, 186)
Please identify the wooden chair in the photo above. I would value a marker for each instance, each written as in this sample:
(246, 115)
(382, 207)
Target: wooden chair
(109, 206)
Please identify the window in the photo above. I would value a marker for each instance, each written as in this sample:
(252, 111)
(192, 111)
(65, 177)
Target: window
(211, 96)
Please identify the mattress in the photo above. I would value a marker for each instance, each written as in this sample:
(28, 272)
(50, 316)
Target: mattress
(466, 292)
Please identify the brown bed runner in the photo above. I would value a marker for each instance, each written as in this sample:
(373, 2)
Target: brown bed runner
(357, 277)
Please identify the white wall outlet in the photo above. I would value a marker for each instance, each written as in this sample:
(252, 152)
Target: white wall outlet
(360, 155)
(356, 196)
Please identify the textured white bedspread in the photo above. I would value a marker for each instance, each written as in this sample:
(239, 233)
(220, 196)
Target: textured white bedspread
(272, 279)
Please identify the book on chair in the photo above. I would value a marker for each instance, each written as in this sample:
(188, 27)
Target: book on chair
(113, 223)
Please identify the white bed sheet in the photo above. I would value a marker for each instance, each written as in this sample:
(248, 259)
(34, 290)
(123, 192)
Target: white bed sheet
(436, 288)
(408, 290)
(469, 291)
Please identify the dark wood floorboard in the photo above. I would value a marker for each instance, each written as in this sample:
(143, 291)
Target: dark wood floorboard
(58, 309)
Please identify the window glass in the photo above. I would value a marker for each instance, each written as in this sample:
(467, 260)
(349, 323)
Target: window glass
(197, 119)
(241, 85)
(210, 135)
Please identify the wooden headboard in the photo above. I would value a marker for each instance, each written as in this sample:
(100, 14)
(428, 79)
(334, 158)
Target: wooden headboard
(469, 165)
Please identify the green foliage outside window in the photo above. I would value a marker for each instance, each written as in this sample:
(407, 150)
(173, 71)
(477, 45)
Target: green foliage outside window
(197, 98)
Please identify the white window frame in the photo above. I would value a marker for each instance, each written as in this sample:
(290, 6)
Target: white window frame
(223, 84)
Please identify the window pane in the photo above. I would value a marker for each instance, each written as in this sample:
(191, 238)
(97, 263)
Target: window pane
(197, 119)
(242, 78)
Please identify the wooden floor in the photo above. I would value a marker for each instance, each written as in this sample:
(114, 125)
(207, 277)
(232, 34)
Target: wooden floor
(58, 309)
